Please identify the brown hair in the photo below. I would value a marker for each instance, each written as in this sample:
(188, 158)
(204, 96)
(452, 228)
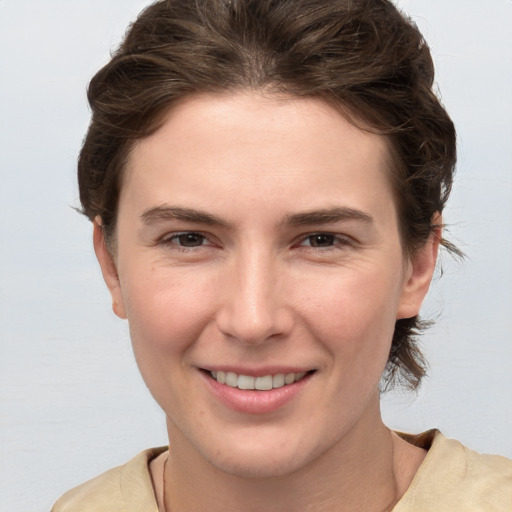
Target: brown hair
(362, 56)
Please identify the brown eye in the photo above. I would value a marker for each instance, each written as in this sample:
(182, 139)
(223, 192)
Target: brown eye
(325, 241)
(188, 239)
(321, 240)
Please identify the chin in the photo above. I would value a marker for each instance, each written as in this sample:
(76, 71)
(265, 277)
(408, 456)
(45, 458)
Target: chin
(262, 460)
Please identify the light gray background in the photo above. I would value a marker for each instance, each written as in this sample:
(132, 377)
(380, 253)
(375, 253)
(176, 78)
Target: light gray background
(72, 403)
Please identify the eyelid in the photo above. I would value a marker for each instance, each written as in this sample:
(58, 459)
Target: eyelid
(170, 238)
(339, 240)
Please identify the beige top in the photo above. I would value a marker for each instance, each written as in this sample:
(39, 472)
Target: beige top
(452, 478)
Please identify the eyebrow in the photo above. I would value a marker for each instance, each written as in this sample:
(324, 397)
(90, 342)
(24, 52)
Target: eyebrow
(165, 213)
(323, 216)
(327, 216)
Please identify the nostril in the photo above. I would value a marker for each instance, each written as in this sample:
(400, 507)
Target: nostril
(253, 325)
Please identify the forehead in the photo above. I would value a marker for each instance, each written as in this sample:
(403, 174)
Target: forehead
(250, 146)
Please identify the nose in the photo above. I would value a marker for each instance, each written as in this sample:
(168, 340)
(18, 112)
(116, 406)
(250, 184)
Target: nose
(253, 306)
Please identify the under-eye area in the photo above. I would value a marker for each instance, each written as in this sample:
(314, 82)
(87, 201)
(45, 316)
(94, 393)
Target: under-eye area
(262, 383)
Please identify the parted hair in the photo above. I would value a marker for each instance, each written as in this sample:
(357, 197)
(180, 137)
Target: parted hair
(363, 57)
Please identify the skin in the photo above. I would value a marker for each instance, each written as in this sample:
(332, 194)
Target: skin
(264, 281)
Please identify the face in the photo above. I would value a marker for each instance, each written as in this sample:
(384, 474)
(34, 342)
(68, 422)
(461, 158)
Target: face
(258, 247)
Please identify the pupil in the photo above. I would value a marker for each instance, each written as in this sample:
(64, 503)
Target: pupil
(191, 240)
(322, 240)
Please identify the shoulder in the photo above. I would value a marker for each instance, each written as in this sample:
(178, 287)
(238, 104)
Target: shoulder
(121, 489)
(453, 477)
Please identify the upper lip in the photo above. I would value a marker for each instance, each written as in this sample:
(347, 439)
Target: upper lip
(257, 372)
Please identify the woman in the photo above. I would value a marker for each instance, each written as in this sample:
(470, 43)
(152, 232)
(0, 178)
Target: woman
(266, 181)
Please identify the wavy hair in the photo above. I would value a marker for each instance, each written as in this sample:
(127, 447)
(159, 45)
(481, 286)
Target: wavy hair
(362, 56)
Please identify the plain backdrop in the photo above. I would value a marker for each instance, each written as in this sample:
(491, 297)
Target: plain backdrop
(72, 403)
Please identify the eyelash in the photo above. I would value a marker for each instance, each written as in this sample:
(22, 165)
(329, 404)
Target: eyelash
(334, 241)
(171, 240)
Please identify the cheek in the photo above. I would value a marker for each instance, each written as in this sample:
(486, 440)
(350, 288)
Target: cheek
(353, 315)
(167, 310)
(167, 314)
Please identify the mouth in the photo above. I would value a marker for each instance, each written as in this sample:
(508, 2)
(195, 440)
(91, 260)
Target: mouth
(263, 383)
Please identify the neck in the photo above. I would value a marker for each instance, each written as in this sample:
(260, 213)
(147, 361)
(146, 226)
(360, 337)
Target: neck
(369, 469)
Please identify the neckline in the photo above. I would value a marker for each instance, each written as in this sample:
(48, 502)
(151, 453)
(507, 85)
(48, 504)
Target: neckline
(424, 440)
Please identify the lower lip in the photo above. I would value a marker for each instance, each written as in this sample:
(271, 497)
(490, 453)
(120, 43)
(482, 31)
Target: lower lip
(252, 401)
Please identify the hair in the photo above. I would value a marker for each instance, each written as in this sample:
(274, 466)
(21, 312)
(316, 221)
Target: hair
(361, 56)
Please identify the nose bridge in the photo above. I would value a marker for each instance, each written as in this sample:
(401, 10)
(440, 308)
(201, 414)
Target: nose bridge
(252, 310)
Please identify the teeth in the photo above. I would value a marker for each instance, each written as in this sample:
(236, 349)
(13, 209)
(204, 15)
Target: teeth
(231, 380)
(289, 378)
(278, 380)
(245, 382)
(264, 383)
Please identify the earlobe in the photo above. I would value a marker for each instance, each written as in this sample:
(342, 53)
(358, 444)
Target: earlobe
(419, 274)
(108, 268)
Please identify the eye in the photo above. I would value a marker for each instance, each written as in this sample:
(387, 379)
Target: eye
(320, 240)
(325, 241)
(186, 240)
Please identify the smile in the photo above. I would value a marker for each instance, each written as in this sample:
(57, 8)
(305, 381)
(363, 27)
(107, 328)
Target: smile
(264, 383)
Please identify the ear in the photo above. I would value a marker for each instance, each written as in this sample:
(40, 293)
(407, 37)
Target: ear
(419, 273)
(108, 268)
